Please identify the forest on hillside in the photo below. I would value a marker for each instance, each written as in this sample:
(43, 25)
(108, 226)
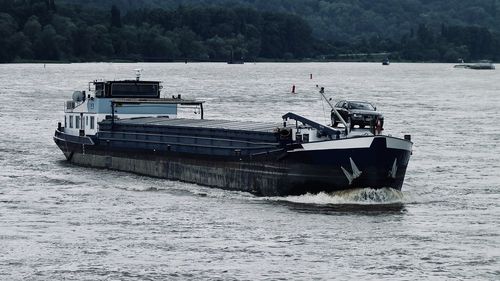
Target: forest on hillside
(52, 30)
(347, 20)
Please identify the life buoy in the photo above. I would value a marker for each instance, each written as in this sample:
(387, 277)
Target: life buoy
(284, 133)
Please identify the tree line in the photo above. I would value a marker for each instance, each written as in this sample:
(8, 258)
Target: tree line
(43, 30)
(347, 20)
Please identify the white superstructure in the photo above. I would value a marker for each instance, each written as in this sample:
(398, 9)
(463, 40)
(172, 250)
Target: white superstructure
(118, 100)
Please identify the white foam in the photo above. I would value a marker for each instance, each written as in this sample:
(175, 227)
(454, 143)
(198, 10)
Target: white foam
(365, 196)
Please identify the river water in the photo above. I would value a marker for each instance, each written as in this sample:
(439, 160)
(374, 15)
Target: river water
(63, 222)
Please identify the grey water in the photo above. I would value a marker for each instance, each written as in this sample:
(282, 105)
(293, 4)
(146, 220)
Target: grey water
(64, 222)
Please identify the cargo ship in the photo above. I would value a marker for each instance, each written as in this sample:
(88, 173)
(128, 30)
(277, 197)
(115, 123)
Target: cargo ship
(127, 125)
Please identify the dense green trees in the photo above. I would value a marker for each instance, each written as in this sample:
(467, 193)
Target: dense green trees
(449, 44)
(349, 20)
(116, 20)
(36, 30)
(46, 30)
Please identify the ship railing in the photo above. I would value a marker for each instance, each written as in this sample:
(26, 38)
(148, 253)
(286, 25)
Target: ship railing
(73, 139)
(176, 139)
(325, 130)
(264, 146)
(268, 152)
(181, 147)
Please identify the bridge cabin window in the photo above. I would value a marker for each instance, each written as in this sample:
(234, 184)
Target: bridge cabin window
(86, 120)
(92, 120)
(99, 90)
(135, 90)
(65, 122)
(71, 121)
(298, 138)
(127, 89)
(305, 137)
(77, 122)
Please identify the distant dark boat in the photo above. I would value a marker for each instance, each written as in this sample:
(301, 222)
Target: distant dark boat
(235, 62)
(232, 60)
(481, 65)
(386, 61)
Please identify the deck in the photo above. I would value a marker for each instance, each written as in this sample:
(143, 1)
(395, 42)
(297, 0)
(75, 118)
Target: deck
(199, 123)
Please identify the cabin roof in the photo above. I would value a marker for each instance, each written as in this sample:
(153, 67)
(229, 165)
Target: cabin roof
(125, 81)
(156, 101)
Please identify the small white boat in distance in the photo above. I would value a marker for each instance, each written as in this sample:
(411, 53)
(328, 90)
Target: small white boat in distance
(484, 64)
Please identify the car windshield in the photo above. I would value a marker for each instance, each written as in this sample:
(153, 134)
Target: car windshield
(361, 105)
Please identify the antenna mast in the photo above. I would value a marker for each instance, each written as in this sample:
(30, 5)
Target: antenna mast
(322, 93)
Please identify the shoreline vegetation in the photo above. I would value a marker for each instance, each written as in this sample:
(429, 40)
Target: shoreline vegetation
(41, 31)
(48, 62)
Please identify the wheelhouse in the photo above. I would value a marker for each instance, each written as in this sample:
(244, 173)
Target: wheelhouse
(126, 89)
(121, 99)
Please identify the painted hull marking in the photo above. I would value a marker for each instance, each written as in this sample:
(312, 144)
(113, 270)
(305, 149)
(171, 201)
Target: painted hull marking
(355, 172)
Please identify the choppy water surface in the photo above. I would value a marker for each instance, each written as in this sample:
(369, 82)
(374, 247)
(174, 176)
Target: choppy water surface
(59, 221)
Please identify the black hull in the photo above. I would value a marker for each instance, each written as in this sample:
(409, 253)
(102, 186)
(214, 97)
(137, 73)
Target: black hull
(277, 173)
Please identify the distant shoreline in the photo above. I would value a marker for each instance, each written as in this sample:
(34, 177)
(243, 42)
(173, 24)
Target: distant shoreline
(246, 62)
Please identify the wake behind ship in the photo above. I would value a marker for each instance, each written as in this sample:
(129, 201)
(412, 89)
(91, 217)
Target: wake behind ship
(126, 125)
